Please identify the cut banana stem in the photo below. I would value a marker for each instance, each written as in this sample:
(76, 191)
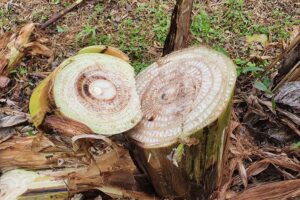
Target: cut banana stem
(94, 89)
(185, 99)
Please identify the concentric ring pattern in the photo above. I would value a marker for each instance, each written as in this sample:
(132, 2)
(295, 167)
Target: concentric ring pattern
(99, 91)
(181, 93)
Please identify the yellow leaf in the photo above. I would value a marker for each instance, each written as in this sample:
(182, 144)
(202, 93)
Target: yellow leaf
(106, 50)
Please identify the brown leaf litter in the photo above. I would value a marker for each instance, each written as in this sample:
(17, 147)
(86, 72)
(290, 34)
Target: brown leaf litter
(13, 47)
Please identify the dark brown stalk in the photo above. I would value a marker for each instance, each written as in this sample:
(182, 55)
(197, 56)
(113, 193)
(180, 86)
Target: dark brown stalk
(180, 27)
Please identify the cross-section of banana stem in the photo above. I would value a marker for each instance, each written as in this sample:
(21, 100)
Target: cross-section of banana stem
(186, 102)
(92, 92)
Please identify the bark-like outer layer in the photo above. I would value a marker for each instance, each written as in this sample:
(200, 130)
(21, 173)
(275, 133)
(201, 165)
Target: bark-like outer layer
(198, 170)
(180, 26)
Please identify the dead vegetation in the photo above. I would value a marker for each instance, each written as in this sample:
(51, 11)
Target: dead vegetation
(263, 157)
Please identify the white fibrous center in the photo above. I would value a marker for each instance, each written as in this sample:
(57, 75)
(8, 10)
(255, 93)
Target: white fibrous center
(102, 89)
(98, 91)
(182, 93)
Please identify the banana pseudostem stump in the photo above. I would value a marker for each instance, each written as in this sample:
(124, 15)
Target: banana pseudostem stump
(92, 92)
(186, 102)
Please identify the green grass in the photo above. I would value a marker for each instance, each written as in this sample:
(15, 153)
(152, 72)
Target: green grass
(4, 19)
(88, 34)
(139, 66)
(134, 35)
(203, 26)
(61, 29)
(136, 44)
(214, 27)
(235, 18)
(139, 29)
(105, 39)
(295, 146)
(39, 16)
(231, 22)
(147, 24)
(161, 25)
(55, 2)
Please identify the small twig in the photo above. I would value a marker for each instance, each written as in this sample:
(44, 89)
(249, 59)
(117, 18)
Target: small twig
(39, 74)
(61, 14)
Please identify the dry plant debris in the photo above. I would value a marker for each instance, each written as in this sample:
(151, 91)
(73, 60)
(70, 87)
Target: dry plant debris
(14, 46)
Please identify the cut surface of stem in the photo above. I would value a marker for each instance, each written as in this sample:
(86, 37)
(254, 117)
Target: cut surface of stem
(182, 93)
(95, 89)
(99, 91)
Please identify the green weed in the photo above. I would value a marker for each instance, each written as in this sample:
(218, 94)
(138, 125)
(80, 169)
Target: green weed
(161, 25)
(245, 67)
(88, 33)
(61, 29)
(295, 145)
(20, 71)
(139, 66)
(55, 2)
(261, 86)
